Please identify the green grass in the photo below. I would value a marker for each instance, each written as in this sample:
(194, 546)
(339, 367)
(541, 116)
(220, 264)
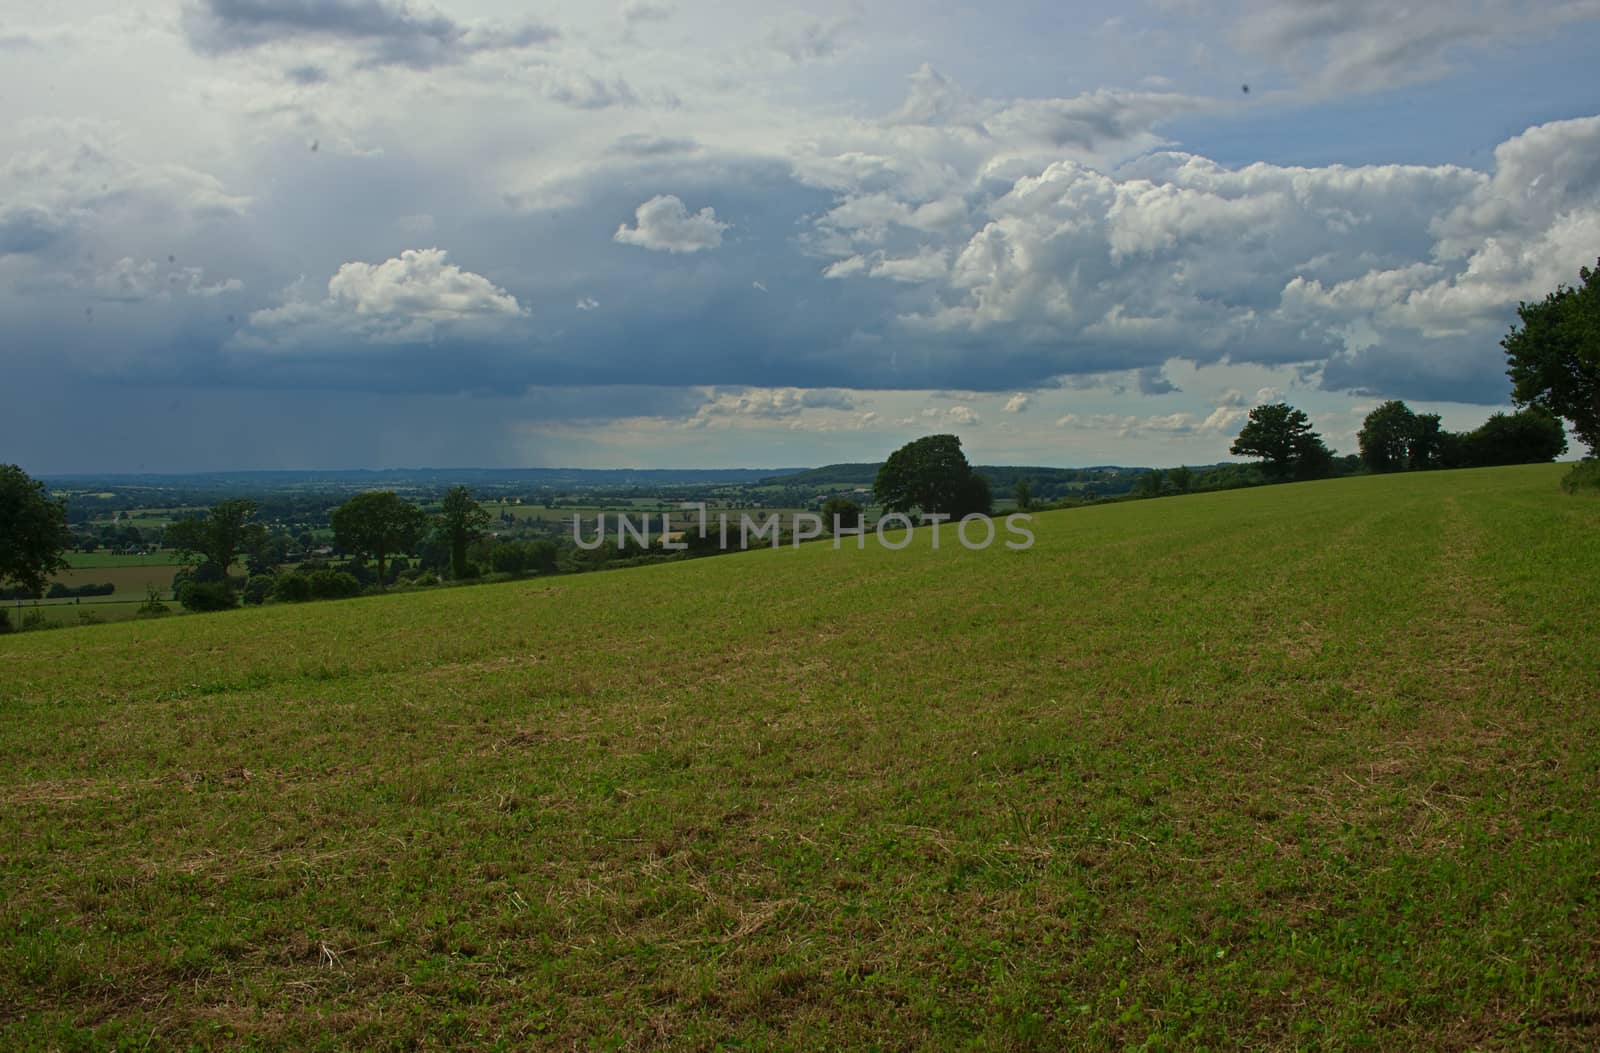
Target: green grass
(101, 560)
(1309, 766)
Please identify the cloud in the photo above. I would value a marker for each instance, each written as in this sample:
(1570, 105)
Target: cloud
(28, 228)
(411, 298)
(1373, 45)
(388, 33)
(664, 224)
(807, 40)
(587, 303)
(1018, 403)
(585, 92)
(636, 11)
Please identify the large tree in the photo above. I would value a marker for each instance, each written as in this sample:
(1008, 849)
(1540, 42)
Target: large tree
(219, 536)
(1385, 437)
(462, 522)
(33, 531)
(932, 474)
(1281, 437)
(1554, 355)
(376, 524)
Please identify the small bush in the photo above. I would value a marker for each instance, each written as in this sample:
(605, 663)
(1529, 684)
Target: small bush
(257, 589)
(207, 596)
(293, 587)
(1585, 475)
(426, 578)
(152, 607)
(333, 585)
(5, 622)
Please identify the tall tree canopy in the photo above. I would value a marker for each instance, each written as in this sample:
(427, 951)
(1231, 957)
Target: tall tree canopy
(219, 536)
(376, 524)
(33, 531)
(462, 521)
(932, 474)
(1553, 357)
(1281, 437)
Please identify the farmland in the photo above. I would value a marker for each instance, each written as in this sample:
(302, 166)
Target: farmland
(1306, 765)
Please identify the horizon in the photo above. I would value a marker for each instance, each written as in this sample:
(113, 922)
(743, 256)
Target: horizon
(234, 239)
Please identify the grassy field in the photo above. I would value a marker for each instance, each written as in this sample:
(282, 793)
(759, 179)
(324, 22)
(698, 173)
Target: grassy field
(1311, 766)
(106, 560)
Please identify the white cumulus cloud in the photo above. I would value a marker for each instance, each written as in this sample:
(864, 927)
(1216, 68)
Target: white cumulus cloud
(665, 224)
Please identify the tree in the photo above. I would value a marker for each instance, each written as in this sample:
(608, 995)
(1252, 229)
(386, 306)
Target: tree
(1181, 478)
(33, 531)
(219, 536)
(932, 474)
(1428, 443)
(462, 522)
(1385, 437)
(842, 509)
(1149, 483)
(376, 524)
(1282, 437)
(1528, 437)
(1554, 357)
(1024, 492)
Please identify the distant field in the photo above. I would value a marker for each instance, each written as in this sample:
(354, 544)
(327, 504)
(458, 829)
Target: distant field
(130, 580)
(68, 612)
(80, 560)
(1308, 766)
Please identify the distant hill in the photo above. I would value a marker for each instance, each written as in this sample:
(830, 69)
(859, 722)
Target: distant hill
(597, 478)
(1107, 479)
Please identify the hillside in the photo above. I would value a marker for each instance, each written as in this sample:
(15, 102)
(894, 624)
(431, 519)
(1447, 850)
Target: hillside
(1001, 477)
(1306, 765)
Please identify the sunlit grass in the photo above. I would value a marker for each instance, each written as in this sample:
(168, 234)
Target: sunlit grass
(1311, 765)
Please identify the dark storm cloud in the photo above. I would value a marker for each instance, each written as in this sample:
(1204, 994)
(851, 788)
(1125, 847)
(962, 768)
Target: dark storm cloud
(391, 33)
(28, 228)
(1470, 371)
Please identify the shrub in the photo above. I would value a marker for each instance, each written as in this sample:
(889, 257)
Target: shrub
(257, 589)
(5, 622)
(58, 591)
(427, 577)
(1585, 475)
(333, 585)
(207, 596)
(293, 587)
(152, 607)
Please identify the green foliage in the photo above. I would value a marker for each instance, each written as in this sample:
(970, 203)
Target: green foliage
(207, 596)
(932, 475)
(33, 531)
(1530, 436)
(292, 587)
(1149, 483)
(1281, 437)
(376, 524)
(153, 607)
(1554, 355)
(219, 536)
(1585, 475)
(257, 589)
(1385, 437)
(843, 511)
(1181, 478)
(332, 585)
(461, 521)
(1023, 492)
(5, 622)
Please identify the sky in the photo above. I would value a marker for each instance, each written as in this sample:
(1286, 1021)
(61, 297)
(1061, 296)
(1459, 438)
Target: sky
(285, 234)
